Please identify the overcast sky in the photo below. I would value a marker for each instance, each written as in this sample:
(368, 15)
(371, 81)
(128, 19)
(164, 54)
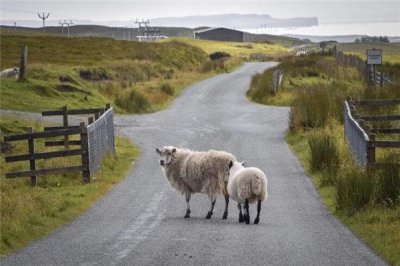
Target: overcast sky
(95, 10)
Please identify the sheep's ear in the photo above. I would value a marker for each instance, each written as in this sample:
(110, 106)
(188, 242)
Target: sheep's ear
(243, 163)
(173, 150)
(230, 164)
(158, 151)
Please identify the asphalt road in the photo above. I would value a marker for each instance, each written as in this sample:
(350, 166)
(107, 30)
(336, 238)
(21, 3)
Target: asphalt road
(141, 221)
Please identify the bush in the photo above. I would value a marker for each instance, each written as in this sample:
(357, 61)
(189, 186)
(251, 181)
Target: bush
(311, 108)
(167, 89)
(389, 180)
(355, 189)
(133, 102)
(324, 153)
(218, 55)
(94, 73)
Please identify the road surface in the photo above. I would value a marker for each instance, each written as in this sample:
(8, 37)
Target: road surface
(140, 222)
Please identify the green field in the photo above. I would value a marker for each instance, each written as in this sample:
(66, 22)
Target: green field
(238, 49)
(390, 51)
(315, 86)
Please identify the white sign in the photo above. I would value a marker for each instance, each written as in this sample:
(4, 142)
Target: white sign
(374, 57)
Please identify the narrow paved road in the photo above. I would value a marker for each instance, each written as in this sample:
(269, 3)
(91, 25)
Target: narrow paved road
(141, 221)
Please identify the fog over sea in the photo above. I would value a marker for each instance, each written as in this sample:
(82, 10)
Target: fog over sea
(330, 29)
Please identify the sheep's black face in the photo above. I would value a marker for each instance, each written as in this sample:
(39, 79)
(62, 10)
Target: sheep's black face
(166, 154)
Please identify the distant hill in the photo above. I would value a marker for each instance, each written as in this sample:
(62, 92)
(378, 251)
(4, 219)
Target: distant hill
(235, 21)
(120, 33)
(338, 38)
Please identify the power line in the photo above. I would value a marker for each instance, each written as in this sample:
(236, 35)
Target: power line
(44, 17)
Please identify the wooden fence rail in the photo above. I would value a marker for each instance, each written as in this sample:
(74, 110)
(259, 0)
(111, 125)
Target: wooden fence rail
(363, 143)
(65, 131)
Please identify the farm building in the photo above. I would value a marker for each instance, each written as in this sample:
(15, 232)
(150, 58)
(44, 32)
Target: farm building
(222, 34)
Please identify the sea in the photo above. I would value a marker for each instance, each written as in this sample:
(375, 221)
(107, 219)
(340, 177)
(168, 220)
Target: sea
(330, 29)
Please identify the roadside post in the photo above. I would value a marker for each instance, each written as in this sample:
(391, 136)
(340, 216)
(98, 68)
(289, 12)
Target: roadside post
(374, 57)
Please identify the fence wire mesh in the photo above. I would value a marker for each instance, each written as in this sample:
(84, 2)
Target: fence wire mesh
(100, 139)
(356, 137)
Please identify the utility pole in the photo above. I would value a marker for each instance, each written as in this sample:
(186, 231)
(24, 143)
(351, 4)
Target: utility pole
(68, 24)
(62, 27)
(15, 26)
(44, 17)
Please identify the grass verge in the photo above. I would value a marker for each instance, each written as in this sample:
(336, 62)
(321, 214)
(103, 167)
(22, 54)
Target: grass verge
(30, 213)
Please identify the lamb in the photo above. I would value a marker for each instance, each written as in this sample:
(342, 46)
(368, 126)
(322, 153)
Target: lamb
(10, 73)
(247, 185)
(197, 172)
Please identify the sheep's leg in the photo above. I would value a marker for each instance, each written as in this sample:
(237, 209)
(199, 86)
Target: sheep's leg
(241, 220)
(257, 220)
(210, 213)
(226, 207)
(188, 196)
(246, 212)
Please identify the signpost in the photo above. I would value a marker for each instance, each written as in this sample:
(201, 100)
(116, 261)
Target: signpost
(374, 57)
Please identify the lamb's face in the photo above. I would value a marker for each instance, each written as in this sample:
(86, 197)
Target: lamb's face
(234, 167)
(166, 153)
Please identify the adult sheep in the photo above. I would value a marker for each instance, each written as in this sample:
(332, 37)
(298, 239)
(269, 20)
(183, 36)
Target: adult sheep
(10, 73)
(197, 172)
(247, 185)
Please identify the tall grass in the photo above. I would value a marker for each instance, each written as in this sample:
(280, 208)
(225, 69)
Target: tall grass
(389, 180)
(325, 156)
(133, 101)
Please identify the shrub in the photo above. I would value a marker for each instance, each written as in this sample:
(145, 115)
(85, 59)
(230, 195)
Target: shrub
(167, 89)
(94, 73)
(133, 102)
(311, 108)
(218, 55)
(324, 152)
(355, 189)
(389, 180)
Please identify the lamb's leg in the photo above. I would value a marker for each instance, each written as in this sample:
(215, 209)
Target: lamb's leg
(188, 196)
(210, 213)
(246, 212)
(241, 220)
(257, 220)
(226, 207)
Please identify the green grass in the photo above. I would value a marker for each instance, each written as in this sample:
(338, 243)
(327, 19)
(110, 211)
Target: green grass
(377, 224)
(390, 51)
(237, 49)
(82, 71)
(30, 213)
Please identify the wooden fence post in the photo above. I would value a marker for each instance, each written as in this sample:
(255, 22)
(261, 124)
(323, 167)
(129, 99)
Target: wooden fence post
(65, 124)
(85, 153)
(23, 61)
(371, 152)
(31, 148)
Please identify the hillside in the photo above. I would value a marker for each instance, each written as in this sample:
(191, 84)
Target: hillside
(88, 71)
(121, 33)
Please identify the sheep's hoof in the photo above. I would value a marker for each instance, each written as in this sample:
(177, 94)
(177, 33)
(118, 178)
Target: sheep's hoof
(256, 221)
(241, 220)
(225, 216)
(247, 219)
(209, 215)
(187, 214)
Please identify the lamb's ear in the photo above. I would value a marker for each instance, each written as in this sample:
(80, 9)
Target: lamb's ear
(230, 164)
(243, 163)
(173, 150)
(158, 151)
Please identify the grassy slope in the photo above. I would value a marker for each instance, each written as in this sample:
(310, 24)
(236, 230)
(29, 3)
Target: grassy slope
(377, 225)
(235, 48)
(30, 213)
(390, 51)
(57, 67)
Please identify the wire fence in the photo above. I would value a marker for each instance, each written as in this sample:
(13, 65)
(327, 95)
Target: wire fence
(101, 139)
(356, 137)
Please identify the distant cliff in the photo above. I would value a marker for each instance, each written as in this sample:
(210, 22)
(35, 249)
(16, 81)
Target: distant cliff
(235, 21)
